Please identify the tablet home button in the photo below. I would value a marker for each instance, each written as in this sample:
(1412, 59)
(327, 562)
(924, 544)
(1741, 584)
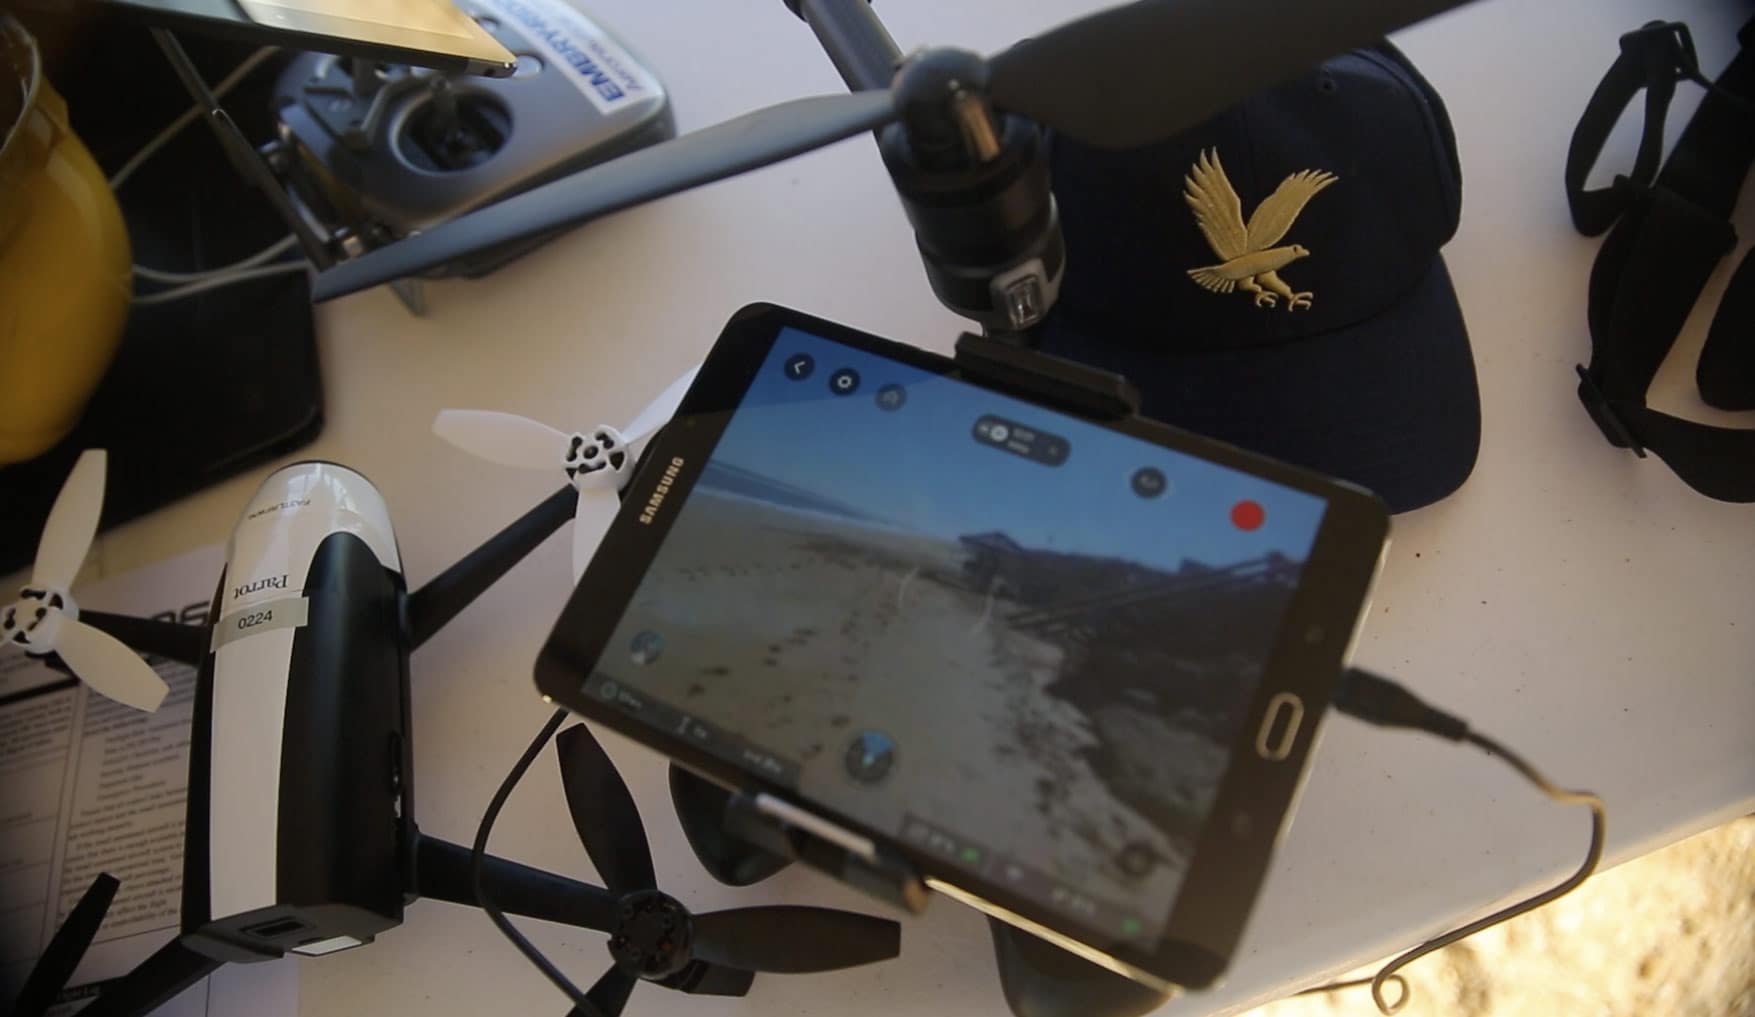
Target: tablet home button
(1279, 727)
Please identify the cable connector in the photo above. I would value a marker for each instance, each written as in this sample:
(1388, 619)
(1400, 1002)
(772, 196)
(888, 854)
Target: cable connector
(1375, 699)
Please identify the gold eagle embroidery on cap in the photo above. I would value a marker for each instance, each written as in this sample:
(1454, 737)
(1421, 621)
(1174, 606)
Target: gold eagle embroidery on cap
(1250, 261)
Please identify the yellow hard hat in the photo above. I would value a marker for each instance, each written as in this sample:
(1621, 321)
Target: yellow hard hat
(65, 267)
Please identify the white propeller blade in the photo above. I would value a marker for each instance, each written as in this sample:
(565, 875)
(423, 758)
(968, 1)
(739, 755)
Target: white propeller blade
(511, 440)
(72, 524)
(108, 665)
(597, 507)
(99, 659)
(659, 411)
(503, 438)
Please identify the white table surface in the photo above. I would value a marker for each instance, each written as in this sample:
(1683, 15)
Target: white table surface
(1583, 607)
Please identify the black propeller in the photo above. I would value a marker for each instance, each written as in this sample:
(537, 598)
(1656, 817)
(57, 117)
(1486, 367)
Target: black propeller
(793, 940)
(69, 944)
(1115, 79)
(700, 157)
(611, 992)
(657, 939)
(604, 813)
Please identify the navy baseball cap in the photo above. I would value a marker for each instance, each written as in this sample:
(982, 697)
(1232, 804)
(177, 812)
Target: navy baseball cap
(1272, 279)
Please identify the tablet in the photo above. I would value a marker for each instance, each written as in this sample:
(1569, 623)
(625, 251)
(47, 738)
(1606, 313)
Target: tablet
(424, 33)
(1071, 669)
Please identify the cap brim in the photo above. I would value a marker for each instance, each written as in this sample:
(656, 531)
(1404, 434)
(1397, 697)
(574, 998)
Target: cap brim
(1389, 403)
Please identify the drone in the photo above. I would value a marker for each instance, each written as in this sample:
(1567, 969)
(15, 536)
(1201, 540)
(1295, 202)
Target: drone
(962, 135)
(301, 836)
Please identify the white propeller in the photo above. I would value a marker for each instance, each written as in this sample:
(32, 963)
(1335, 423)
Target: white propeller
(598, 463)
(46, 620)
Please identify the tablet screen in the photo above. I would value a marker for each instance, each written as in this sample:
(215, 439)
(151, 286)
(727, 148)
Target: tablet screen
(1015, 640)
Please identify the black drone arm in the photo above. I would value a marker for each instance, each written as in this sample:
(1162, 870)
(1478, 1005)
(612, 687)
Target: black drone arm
(185, 644)
(66, 949)
(856, 41)
(442, 873)
(155, 982)
(452, 590)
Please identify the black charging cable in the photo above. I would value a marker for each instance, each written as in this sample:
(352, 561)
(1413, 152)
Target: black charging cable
(582, 1005)
(1375, 699)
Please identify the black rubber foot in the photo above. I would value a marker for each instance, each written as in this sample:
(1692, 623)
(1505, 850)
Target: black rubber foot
(1042, 980)
(700, 805)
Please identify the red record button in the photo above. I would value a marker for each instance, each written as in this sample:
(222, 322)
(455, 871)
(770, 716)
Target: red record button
(1247, 515)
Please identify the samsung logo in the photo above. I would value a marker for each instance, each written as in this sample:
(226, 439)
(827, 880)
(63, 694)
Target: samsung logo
(660, 491)
(258, 585)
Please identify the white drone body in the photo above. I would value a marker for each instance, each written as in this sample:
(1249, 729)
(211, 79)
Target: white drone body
(300, 738)
(297, 806)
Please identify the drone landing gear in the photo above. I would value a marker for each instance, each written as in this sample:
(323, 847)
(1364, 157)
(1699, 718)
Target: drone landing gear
(1042, 980)
(702, 805)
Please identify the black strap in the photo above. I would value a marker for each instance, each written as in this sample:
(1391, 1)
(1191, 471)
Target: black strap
(1726, 374)
(1671, 229)
(1653, 58)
